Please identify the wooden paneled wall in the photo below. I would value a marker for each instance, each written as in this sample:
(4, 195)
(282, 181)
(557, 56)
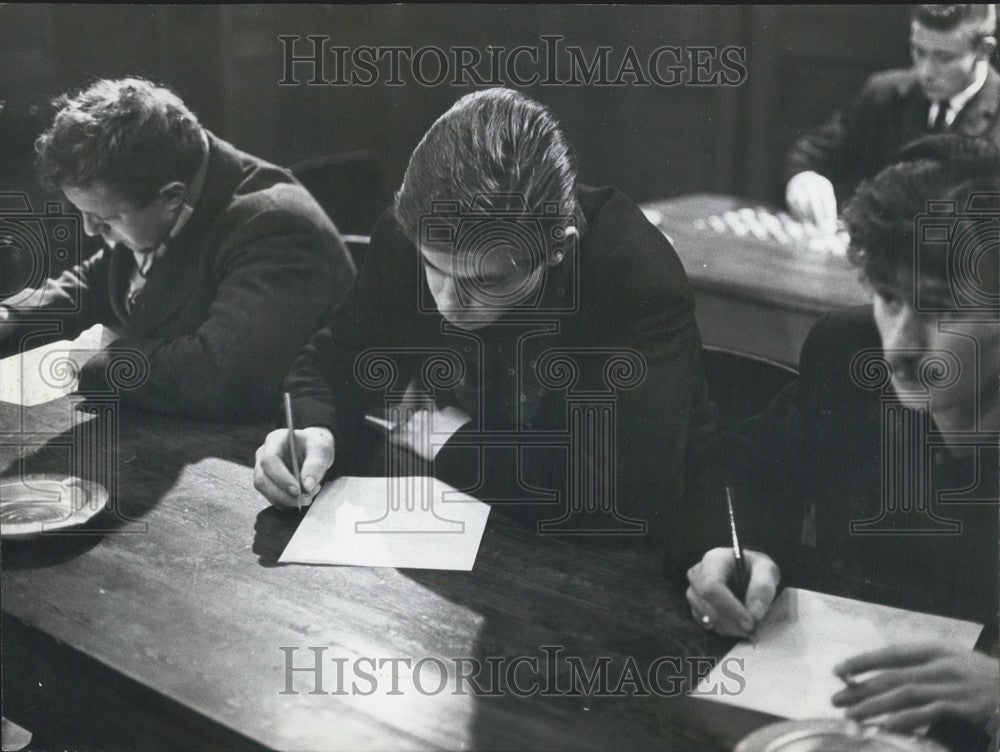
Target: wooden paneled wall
(652, 141)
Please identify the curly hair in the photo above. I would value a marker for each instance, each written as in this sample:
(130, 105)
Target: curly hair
(129, 133)
(882, 216)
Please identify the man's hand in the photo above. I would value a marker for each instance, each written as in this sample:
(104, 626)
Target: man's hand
(426, 432)
(919, 683)
(811, 198)
(710, 596)
(271, 473)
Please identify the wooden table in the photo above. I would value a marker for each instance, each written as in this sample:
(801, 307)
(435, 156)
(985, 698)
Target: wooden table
(166, 630)
(753, 296)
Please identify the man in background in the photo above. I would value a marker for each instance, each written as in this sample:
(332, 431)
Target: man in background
(951, 88)
(216, 266)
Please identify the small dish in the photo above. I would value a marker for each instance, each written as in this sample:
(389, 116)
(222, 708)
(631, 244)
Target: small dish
(35, 504)
(831, 735)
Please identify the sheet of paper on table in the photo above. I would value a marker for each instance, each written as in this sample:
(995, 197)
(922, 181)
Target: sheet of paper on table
(47, 373)
(407, 523)
(788, 667)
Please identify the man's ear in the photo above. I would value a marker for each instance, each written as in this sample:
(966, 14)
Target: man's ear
(173, 194)
(986, 47)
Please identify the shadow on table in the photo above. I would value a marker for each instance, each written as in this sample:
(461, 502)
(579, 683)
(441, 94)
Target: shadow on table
(584, 612)
(605, 610)
(138, 458)
(273, 528)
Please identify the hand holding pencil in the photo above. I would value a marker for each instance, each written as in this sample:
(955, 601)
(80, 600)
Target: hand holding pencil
(731, 589)
(291, 463)
(293, 453)
(709, 594)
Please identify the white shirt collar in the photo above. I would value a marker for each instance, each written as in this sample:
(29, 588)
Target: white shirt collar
(145, 259)
(957, 102)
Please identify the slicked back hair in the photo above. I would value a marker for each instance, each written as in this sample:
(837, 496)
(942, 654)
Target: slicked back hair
(491, 142)
(979, 18)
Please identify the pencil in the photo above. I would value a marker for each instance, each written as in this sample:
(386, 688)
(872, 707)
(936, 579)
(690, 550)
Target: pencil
(291, 447)
(742, 579)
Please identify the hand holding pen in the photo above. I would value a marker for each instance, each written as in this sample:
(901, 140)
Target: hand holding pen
(291, 463)
(742, 576)
(294, 453)
(731, 588)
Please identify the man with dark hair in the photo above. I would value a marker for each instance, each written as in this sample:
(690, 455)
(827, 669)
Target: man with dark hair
(565, 318)
(216, 267)
(951, 88)
(874, 476)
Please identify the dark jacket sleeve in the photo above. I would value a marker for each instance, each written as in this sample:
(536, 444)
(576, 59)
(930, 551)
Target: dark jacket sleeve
(767, 461)
(834, 150)
(820, 151)
(777, 456)
(279, 273)
(664, 417)
(77, 299)
(322, 382)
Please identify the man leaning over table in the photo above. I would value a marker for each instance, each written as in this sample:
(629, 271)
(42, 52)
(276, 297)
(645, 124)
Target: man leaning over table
(837, 449)
(529, 279)
(216, 266)
(951, 88)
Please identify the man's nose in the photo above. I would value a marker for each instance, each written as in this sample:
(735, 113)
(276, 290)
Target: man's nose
(909, 332)
(926, 70)
(92, 227)
(447, 296)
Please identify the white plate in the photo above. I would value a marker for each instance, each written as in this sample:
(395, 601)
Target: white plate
(36, 504)
(831, 735)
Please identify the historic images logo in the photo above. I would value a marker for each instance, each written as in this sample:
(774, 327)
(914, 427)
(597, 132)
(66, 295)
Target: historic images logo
(311, 61)
(551, 674)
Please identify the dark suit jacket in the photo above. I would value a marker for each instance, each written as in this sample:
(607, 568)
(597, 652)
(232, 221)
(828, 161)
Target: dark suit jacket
(890, 111)
(241, 288)
(622, 298)
(811, 464)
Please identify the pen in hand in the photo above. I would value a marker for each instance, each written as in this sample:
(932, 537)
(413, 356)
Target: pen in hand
(742, 578)
(291, 448)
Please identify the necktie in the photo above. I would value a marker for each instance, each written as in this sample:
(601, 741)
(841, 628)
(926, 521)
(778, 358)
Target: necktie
(941, 121)
(143, 262)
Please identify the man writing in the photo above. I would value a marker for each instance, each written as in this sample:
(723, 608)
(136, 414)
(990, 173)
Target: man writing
(951, 88)
(875, 475)
(564, 312)
(216, 266)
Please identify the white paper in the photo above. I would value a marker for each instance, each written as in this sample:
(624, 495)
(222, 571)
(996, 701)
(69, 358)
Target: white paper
(47, 373)
(407, 523)
(788, 666)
